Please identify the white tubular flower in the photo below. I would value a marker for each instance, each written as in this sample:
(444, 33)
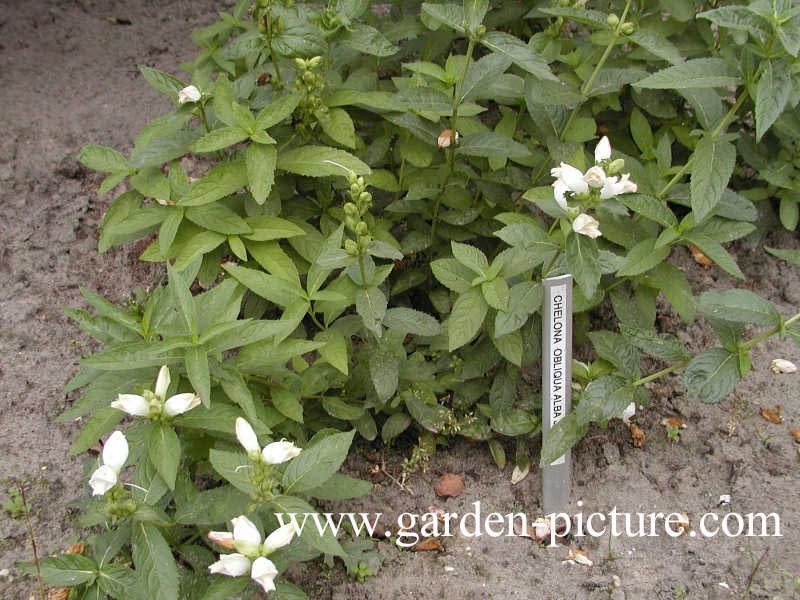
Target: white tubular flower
(559, 193)
(572, 178)
(180, 403)
(603, 150)
(595, 177)
(188, 94)
(115, 451)
(779, 365)
(162, 382)
(614, 186)
(232, 565)
(247, 437)
(222, 538)
(102, 480)
(279, 538)
(586, 225)
(132, 404)
(279, 452)
(246, 536)
(264, 573)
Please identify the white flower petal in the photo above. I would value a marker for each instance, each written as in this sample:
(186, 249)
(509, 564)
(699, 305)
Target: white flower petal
(132, 404)
(102, 480)
(779, 365)
(264, 573)
(180, 403)
(586, 225)
(559, 189)
(246, 536)
(162, 382)
(279, 538)
(188, 94)
(222, 538)
(232, 565)
(572, 178)
(603, 150)
(279, 452)
(595, 177)
(247, 437)
(629, 411)
(115, 451)
(626, 185)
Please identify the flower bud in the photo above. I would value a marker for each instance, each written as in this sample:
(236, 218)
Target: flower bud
(181, 403)
(279, 452)
(351, 247)
(362, 228)
(247, 437)
(586, 225)
(595, 177)
(364, 198)
(616, 166)
(627, 28)
(350, 209)
(314, 62)
(299, 63)
(308, 77)
(264, 573)
(188, 94)
(480, 31)
(612, 20)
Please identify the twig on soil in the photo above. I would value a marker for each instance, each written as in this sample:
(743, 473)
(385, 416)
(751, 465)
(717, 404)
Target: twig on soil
(29, 524)
(753, 574)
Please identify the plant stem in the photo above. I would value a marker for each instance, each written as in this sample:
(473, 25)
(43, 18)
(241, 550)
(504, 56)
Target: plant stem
(204, 118)
(661, 373)
(29, 524)
(451, 155)
(315, 320)
(768, 334)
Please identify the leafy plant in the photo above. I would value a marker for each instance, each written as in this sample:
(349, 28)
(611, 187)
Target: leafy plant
(352, 206)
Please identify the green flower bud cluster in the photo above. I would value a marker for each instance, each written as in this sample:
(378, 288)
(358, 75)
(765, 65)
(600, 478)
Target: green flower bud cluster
(626, 28)
(310, 81)
(355, 209)
(262, 478)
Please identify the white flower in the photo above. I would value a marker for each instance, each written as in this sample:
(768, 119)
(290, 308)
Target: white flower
(188, 94)
(279, 452)
(559, 193)
(595, 177)
(232, 565)
(246, 536)
(132, 404)
(162, 382)
(614, 186)
(222, 538)
(780, 365)
(586, 225)
(446, 138)
(629, 411)
(102, 480)
(263, 573)
(180, 403)
(571, 177)
(603, 150)
(115, 453)
(247, 437)
(279, 538)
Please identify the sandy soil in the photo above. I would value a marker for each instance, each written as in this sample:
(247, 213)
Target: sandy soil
(67, 78)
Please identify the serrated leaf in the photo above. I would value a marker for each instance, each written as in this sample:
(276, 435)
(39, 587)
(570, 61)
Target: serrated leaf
(102, 159)
(696, 73)
(773, 91)
(712, 375)
(320, 161)
(164, 450)
(787, 254)
(408, 320)
(643, 257)
(219, 139)
(466, 318)
(491, 144)
(712, 167)
(155, 565)
(315, 465)
(739, 306)
(68, 570)
(222, 180)
(584, 263)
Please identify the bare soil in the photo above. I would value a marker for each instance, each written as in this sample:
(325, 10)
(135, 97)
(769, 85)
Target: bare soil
(68, 77)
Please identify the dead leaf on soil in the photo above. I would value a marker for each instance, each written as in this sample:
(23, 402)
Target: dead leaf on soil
(520, 473)
(449, 485)
(773, 415)
(430, 544)
(76, 548)
(700, 257)
(795, 431)
(682, 525)
(577, 557)
(637, 435)
(675, 422)
(58, 593)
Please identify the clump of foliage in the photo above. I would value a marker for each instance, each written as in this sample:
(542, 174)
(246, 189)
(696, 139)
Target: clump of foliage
(354, 208)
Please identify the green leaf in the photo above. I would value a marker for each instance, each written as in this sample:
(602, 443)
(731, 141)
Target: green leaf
(550, 93)
(320, 161)
(217, 217)
(118, 581)
(738, 18)
(394, 426)
(474, 12)
(266, 228)
(335, 349)
(408, 320)
(222, 180)
(466, 319)
(223, 588)
(712, 167)
(524, 299)
(426, 99)
(270, 287)
(657, 44)
(278, 110)
(231, 466)
(594, 18)
(650, 207)
(103, 159)
(617, 350)
(491, 144)
(448, 14)
(183, 299)
(384, 373)
(773, 91)
(338, 125)
(164, 449)
(564, 435)
(604, 399)
(514, 421)
(155, 565)
(367, 39)
(163, 82)
(452, 274)
(584, 263)
(341, 487)
(664, 346)
(371, 307)
(219, 139)
(716, 252)
(480, 74)
(339, 409)
(643, 257)
(510, 347)
(471, 257)
(672, 283)
(287, 403)
(739, 306)
(787, 254)
(521, 53)
(315, 465)
(211, 507)
(712, 375)
(101, 422)
(196, 362)
(431, 415)
(696, 73)
(320, 539)
(260, 161)
(68, 570)
(495, 292)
